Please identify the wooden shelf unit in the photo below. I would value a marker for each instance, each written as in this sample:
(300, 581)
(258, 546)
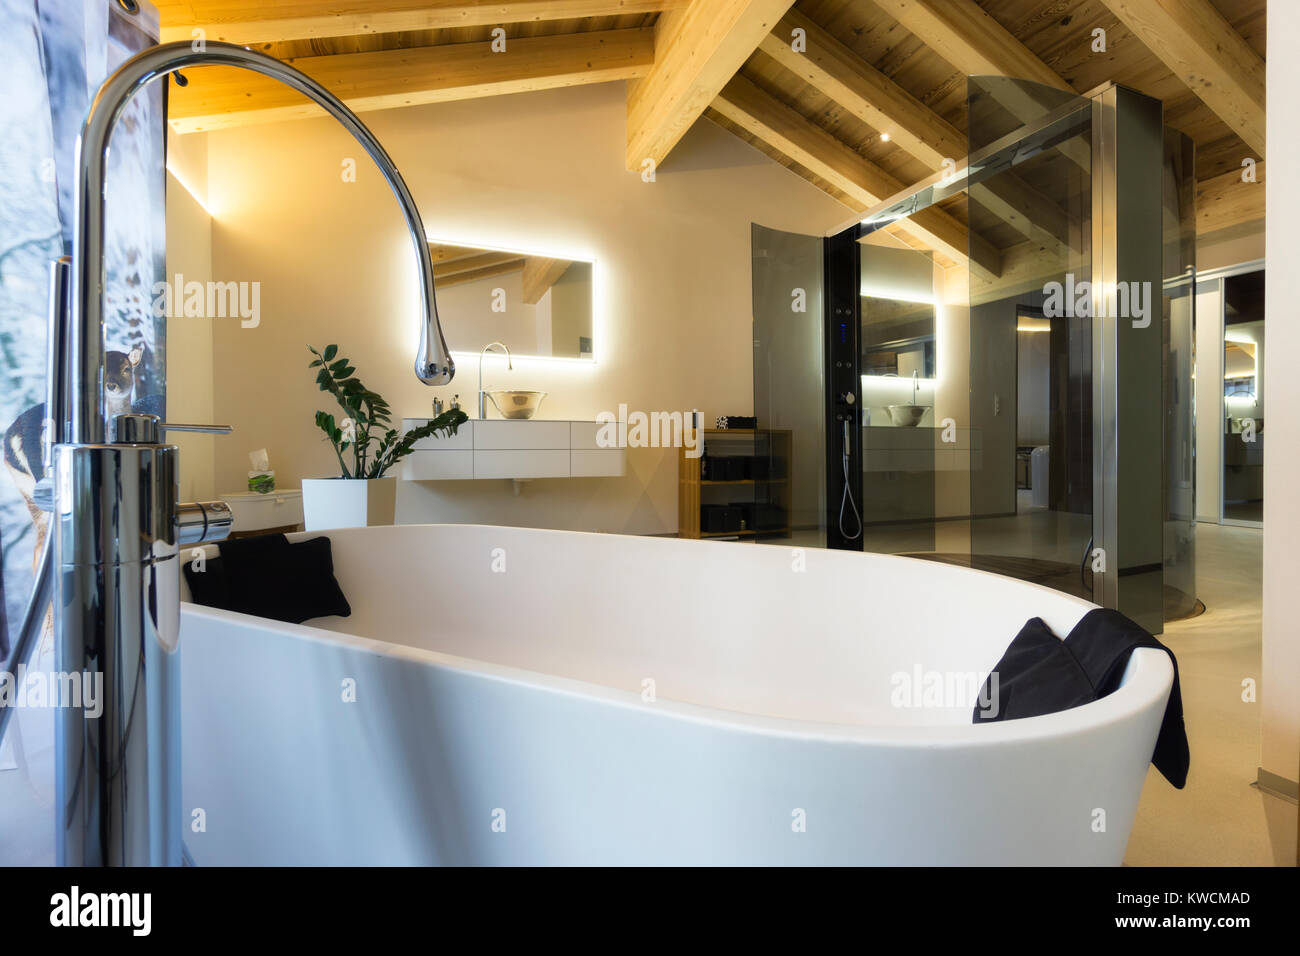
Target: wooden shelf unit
(693, 492)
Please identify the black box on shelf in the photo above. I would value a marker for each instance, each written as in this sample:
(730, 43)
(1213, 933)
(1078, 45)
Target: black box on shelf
(726, 468)
(720, 519)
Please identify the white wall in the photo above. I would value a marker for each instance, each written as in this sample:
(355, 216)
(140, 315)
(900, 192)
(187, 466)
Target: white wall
(189, 340)
(1230, 247)
(1280, 696)
(540, 171)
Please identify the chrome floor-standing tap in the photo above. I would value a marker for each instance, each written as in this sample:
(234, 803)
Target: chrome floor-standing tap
(117, 528)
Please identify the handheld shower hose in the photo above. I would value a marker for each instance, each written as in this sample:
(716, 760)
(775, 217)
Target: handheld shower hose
(846, 500)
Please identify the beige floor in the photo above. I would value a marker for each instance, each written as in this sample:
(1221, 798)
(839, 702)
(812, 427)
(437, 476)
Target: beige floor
(1220, 818)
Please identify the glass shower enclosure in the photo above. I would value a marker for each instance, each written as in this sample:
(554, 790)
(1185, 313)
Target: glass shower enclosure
(1020, 399)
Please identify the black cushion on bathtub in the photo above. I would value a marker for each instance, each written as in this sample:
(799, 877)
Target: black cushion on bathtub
(207, 583)
(1041, 674)
(268, 577)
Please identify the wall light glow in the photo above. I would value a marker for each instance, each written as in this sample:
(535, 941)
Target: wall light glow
(190, 189)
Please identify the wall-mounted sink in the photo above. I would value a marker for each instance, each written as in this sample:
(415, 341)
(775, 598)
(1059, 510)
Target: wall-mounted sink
(516, 403)
(907, 416)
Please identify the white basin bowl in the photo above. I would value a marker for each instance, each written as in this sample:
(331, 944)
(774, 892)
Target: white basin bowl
(516, 403)
(907, 416)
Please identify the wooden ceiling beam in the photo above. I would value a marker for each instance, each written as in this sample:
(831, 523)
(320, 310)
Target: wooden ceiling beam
(1202, 49)
(791, 134)
(977, 45)
(479, 260)
(698, 48)
(446, 252)
(244, 22)
(829, 66)
(540, 274)
(969, 39)
(834, 69)
(487, 272)
(218, 97)
(1225, 201)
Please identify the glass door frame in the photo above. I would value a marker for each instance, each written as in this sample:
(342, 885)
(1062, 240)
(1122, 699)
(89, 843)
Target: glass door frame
(1203, 280)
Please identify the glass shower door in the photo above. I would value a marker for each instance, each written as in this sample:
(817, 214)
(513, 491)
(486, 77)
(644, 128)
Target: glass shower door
(789, 378)
(1031, 334)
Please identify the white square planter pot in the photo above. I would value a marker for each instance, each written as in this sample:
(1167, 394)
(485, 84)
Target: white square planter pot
(348, 502)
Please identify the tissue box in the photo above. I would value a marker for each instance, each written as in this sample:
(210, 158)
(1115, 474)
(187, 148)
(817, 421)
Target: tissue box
(263, 482)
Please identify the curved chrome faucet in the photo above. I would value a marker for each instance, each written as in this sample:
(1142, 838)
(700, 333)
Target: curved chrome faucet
(433, 363)
(117, 528)
(510, 364)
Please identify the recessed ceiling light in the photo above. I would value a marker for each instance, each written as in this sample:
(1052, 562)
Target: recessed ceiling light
(884, 137)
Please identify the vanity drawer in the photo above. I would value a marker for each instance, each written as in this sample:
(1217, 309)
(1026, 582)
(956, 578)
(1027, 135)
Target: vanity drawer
(539, 463)
(431, 465)
(462, 440)
(604, 463)
(588, 435)
(515, 435)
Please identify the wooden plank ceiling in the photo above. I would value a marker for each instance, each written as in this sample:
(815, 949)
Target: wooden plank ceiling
(875, 102)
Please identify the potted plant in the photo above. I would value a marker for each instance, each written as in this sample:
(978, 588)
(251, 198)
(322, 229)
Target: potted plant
(366, 446)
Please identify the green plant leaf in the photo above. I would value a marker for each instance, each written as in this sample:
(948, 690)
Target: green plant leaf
(330, 352)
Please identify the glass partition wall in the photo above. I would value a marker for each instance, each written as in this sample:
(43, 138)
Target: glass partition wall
(789, 381)
(1031, 380)
(1178, 315)
(1006, 355)
(1081, 296)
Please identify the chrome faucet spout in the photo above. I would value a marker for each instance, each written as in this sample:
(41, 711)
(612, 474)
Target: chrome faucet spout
(433, 363)
(482, 395)
(117, 529)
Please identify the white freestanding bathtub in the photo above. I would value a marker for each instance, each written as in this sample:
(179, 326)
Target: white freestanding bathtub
(546, 697)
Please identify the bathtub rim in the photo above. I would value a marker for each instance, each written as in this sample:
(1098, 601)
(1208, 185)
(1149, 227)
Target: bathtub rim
(1148, 679)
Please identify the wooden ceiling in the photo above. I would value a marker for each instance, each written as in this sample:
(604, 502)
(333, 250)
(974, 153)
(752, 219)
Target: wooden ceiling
(456, 265)
(875, 102)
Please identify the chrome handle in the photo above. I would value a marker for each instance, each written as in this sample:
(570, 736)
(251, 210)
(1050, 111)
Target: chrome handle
(206, 429)
(198, 522)
(130, 429)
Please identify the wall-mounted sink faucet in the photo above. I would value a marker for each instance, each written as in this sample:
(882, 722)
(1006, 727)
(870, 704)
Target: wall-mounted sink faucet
(482, 395)
(117, 528)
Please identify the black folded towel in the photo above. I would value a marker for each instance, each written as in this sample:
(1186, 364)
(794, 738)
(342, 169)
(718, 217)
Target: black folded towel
(268, 577)
(1041, 674)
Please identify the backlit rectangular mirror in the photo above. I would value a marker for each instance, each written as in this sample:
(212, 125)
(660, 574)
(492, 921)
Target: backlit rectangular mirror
(898, 312)
(536, 304)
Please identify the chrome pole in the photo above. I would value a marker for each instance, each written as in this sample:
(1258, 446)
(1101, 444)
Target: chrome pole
(117, 526)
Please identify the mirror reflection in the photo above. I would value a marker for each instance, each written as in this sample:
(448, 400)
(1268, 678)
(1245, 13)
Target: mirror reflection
(536, 304)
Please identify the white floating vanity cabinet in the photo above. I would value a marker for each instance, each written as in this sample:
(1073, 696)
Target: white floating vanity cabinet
(502, 448)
